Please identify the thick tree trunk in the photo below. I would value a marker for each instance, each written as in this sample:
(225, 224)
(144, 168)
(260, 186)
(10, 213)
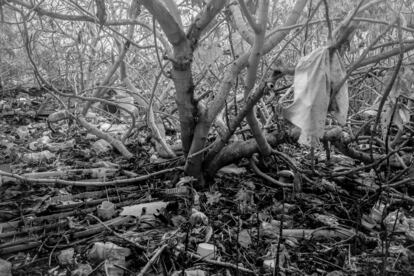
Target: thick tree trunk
(195, 159)
(183, 45)
(184, 97)
(194, 124)
(217, 104)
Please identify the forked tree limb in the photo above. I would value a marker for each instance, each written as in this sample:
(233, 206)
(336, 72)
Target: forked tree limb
(256, 53)
(181, 72)
(217, 104)
(99, 92)
(184, 45)
(157, 129)
(205, 120)
(239, 22)
(203, 19)
(212, 155)
(260, 89)
(250, 19)
(175, 34)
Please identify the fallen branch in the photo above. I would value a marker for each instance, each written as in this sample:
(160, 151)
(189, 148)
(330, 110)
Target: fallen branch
(152, 260)
(253, 162)
(136, 245)
(54, 182)
(217, 263)
(107, 137)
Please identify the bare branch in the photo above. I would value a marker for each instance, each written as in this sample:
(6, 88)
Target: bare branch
(271, 41)
(171, 28)
(384, 55)
(69, 17)
(240, 24)
(248, 16)
(203, 19)
(173, 9)
(254, 58)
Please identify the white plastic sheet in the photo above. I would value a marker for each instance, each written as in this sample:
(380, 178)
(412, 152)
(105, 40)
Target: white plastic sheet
(315, 75)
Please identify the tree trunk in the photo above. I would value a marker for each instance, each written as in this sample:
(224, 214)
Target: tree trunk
(184, 97)
(217, 104)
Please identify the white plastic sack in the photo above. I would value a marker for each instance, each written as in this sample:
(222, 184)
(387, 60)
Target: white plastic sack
(315, 75)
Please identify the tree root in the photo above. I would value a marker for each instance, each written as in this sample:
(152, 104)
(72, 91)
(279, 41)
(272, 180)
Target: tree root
(340, 139)
(253, 162)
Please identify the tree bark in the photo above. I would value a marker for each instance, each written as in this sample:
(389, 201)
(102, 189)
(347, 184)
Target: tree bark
(217, 104)
(254, 59)
(183, 47)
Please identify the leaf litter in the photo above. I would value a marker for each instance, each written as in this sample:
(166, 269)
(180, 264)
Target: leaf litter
(103, 218)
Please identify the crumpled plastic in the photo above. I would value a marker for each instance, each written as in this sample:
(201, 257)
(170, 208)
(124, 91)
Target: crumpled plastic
(315, 76)
(5, 268)
(112, 254)
(397, 222)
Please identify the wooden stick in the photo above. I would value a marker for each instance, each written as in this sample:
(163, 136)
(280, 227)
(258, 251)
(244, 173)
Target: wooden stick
(152, 260)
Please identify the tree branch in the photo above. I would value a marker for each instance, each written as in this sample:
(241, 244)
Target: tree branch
(169, 25)
(254, 59)
(384, 55)
(69, 17)
(240, 24)
(173, 9)
(109, 74)
(203, 19)
(248, 16)
(218, 102)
